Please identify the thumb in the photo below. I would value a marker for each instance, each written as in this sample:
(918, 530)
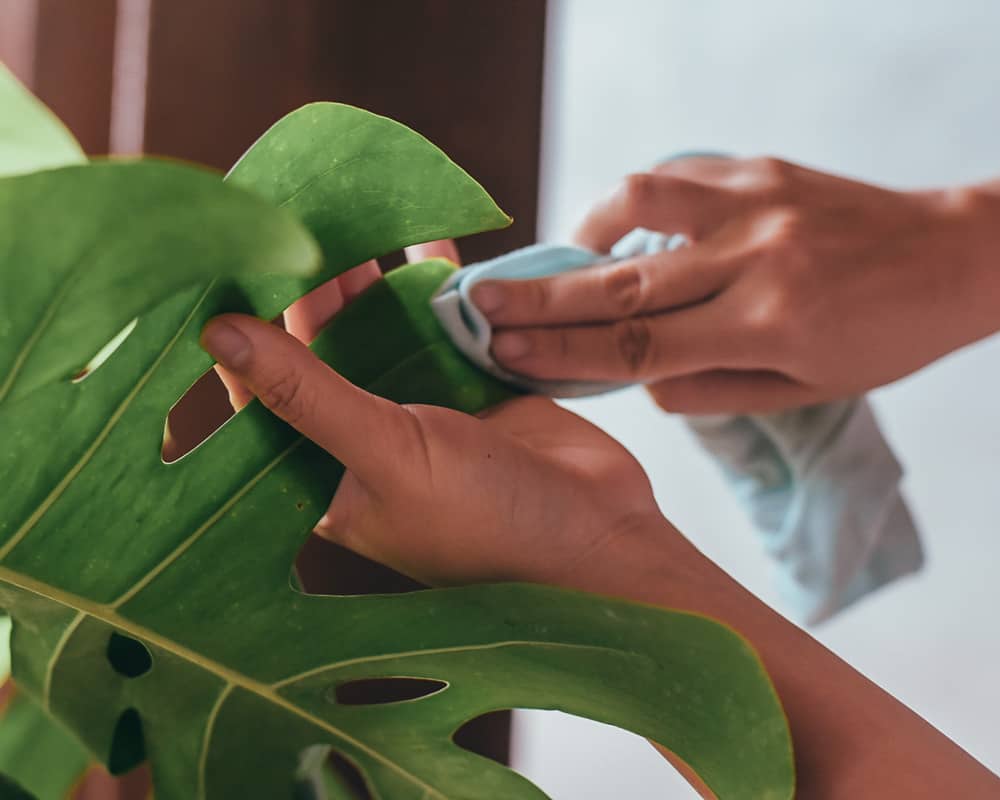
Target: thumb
(356, 427)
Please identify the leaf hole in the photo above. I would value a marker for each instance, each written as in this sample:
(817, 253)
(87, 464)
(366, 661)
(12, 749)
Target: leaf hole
(486, 735)
(128, 745)
(200, 412)
(104, 353)
(327, 773)
(380, 691)
(128, 656)
(325, 568)
(206, 406)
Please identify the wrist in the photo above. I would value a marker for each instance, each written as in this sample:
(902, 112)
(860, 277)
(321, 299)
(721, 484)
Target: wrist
(647, 560)
(852, 740)
(967, 243)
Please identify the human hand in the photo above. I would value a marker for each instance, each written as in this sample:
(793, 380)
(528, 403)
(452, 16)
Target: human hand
(801, 287)
(527, 491)
(531, 492)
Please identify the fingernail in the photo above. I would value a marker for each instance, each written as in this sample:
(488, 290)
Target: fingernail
(226, 343)
(511, 346)
(488, 297)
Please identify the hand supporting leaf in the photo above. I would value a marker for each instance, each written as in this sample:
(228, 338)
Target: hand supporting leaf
(152, 606)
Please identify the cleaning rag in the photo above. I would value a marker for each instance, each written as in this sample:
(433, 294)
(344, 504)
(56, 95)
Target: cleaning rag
(820, 484)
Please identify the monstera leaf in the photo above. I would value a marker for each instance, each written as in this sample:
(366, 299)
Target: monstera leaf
(153, 609)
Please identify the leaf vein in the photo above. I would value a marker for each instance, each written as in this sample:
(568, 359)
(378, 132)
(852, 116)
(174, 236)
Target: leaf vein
(216, 515)
(51, 666)
(95, 445)
(109, 616)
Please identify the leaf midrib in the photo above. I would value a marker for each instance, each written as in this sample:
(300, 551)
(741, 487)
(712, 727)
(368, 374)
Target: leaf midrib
(233, 678)
(102, 435)
(229, 676)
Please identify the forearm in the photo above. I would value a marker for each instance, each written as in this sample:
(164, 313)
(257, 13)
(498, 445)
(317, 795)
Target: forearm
(852, 740)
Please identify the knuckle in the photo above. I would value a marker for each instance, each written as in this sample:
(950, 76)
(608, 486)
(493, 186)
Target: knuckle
(769, 167)
(765, 176)
(792, 248)
(777, 323)
(285, 396)
(537, 295)
(625, 285)
(634, 346)
(636, 191)
(781, 233)
(768, 312)
(561, 344)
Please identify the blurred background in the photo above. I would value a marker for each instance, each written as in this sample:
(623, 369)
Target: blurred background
(549, 104)
(900, 92)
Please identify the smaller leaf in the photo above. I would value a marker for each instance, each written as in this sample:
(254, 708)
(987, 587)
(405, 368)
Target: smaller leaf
(363, 184)
(31, 136)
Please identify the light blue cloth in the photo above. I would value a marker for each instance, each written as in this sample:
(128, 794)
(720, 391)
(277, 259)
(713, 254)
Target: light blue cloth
(820, 483)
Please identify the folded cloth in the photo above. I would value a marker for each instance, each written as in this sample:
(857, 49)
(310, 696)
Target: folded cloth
(820, 483)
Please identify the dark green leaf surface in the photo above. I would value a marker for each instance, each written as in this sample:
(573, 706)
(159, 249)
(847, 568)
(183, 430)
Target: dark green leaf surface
(33, 747)
(190, 560)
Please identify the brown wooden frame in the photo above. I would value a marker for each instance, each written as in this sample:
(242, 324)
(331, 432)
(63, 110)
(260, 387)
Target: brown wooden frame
(201, 80)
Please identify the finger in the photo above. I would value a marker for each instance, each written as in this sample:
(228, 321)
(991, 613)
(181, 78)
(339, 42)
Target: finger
(698, 168)
(443, 248)
(305, 318)
(366, 433)
(239, 395)
(639, 349)
(609, 292)
(732, 392)
(658, 202)
(355, 281)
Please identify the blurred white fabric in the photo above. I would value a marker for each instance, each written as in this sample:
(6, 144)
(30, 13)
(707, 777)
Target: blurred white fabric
(902, 92)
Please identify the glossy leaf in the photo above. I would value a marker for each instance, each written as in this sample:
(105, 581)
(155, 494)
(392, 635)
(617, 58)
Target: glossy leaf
(87, 249)
(189, 561)
(362, 183)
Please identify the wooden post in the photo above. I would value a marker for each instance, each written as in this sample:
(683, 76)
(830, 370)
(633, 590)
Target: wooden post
(63, 51)
(201, 80)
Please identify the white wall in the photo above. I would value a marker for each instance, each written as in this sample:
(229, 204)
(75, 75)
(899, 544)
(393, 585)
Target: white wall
(897, 91)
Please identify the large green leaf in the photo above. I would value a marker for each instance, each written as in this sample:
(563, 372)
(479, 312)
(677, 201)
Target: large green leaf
(86, 249)
(31, 136)
(152, 603)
